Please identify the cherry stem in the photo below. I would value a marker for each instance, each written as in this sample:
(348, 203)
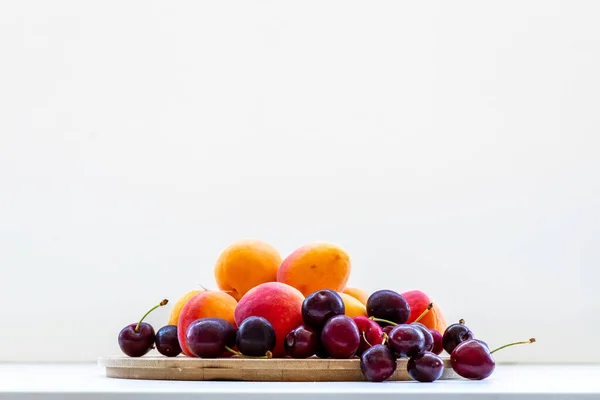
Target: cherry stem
(385, 338)
(383, 320)
(268, 354)
(365, 338)
(162, 303)
(429, 307)
(532, 340)
(237, 353)
(461, 321)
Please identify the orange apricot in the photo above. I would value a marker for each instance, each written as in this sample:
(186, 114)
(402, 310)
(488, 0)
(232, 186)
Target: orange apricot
(354, 308)
(178, 306)
(357, 293)
(244, 265)
(316, 266)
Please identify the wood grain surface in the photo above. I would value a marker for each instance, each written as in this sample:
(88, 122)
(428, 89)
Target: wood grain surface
(244, 369)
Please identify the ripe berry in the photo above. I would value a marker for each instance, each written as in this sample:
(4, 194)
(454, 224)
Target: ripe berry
(455, 334)
(137, 339)
(340, 337)
(425, 367)
(378, 363)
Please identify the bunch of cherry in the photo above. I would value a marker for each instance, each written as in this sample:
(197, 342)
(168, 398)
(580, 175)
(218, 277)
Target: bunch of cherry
(384, 336)
(328, 332)
(139, 338)
(379, 340)
(205, 337)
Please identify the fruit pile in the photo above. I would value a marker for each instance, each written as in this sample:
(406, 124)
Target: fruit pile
(300, 307)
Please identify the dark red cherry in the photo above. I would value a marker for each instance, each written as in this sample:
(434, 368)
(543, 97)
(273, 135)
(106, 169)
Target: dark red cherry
(388, 306)
(255, 337)
(378, 363)
(137, 339)
(301, 342)
(406, 340)
(425, 367)
(472, 359)
(210, 337)
(340, 337)
(321, 305)
(370, 333)
(166, 341)
(455, 334)
(426, 334)
(437, 341)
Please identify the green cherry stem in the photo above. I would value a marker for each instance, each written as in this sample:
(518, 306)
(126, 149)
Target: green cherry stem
(385, 338)
(532, 340)
(383, 320)
(365, 338)
(429, 307)
(237, 353)
(162, 303)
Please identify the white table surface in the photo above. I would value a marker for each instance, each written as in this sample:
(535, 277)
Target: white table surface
(87, 381)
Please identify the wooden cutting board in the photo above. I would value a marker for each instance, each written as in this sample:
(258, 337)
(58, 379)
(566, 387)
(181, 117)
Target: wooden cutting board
(243, 369)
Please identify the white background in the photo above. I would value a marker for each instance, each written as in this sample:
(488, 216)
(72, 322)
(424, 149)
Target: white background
(448, 146)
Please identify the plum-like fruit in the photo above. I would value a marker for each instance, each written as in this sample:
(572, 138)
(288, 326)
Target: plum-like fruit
(209, 337)
(321, 305)
(378, 363)
(255, 337)
(340, 337)
(388, 306)
(302, 342)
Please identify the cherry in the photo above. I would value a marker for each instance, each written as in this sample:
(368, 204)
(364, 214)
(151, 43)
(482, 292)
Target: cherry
(370, 333)
(301, 342)
(321, 352)
(255, 337)
(210, 337)
(406, 340)
(321, 305)
(437, 341)
(426, 334)
(428, 341)
(378, 363)
(137, 339)
(387, 306)
(472, 358)
(166, 341)
(340, 337)
(455, 334)
(425, 367)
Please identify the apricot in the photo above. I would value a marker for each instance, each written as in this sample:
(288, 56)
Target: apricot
(354, 308)
(244, 265)
(278, 303)
(206, 304)
(418, 302)
(178, 306)
(357, 293)
(316, 266)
